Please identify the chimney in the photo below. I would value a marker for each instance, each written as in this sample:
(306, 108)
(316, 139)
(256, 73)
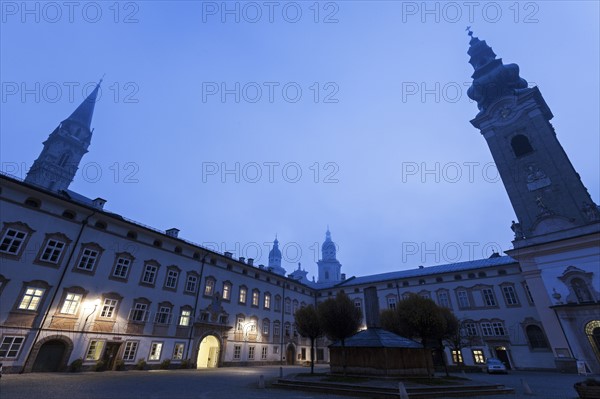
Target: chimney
(372, 307)
(242, 259)
(173, 232)
(99, 203)
(251, 261)
(421, 267)
(228, 254)
(261, 266)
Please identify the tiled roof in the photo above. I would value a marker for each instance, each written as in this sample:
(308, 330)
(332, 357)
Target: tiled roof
(378, 338)
(425, 271)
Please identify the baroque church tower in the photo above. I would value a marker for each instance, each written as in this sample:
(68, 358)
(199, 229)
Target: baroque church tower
(275, 259)
(545, 191)
(329, 267)
(59, 160)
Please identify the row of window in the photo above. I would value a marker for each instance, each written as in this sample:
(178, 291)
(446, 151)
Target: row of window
(55, 245)
(465, 298)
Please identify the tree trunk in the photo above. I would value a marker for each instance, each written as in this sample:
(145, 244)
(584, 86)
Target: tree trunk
(443, 356)
(344, 358)
(312, 355)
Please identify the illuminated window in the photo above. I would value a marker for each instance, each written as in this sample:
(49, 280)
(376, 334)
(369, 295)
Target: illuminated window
(184, 318)
(31, 299)
(457, 356)
(155, 350)
(255, 297)
(478, 356)
(267, 303)
(209, 287)
(71, 303)
(266, 325)
(94, 350)
(243, 294)
(226, 291)
(178, 351)
(240, 324)
(108, 308)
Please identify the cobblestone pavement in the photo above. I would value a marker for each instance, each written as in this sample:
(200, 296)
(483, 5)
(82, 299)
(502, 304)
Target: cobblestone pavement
(228, 382)
(224, 383)
(544, 385)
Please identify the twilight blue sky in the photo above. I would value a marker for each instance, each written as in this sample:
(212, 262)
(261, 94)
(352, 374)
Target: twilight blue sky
(383, 100)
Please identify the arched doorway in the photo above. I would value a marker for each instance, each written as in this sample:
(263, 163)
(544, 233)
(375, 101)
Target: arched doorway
(592, 330)
(290, 354)
(50, 356)
(208, 352)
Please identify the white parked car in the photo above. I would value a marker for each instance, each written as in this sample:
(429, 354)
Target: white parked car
(495, 366)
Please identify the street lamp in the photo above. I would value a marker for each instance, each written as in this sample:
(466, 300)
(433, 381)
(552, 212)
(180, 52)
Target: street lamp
(91, 306)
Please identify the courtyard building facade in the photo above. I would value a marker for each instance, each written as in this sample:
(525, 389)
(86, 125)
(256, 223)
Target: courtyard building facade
(80, 282)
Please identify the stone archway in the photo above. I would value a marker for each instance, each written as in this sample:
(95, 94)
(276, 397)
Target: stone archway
(592, 330)
(208, 352)
(50, 354)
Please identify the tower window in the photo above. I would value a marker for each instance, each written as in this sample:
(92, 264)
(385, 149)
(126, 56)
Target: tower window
(64, 159)
(520, 145)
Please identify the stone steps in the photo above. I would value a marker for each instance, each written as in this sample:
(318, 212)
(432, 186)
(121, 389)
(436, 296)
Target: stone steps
(387, 392)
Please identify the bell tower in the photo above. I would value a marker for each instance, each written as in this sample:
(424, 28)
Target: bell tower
(59, 160)
(545, 191)
(329, 267)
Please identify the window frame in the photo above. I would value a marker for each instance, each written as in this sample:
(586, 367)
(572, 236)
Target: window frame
(155, 351)
(17, 227)
(116, 266)
(88, 246)
(145, 272)
(172, 278)
(59, 254)
(7, 347)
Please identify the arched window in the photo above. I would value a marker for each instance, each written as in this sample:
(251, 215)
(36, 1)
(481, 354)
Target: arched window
(536, 337)
(581, 290)
(64, 159)
(520, 145)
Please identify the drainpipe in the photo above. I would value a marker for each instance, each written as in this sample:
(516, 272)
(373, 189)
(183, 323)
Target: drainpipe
(193, 318)
(282, 328)
(39, 329)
